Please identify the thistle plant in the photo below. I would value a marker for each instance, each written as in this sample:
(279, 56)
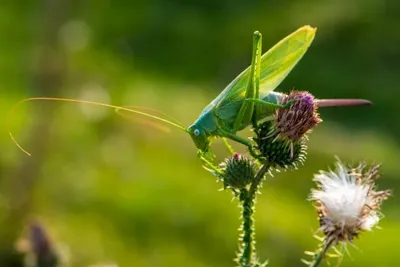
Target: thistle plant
(279, 143)
(346, 200)
(347, 204)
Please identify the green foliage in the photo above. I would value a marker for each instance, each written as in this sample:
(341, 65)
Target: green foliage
(115, 190)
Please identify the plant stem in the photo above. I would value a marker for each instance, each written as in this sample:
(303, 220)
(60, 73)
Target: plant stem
(247, 237)
(257, 180)
(321, 254)
(247, 229)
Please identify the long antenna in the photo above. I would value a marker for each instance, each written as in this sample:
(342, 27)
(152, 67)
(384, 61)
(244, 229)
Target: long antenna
(138, 108)
(117, 108)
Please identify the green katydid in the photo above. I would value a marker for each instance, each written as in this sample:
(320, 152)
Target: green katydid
(248, 99)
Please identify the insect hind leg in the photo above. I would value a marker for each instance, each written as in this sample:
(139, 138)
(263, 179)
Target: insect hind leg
(246, 112)
(269, 104)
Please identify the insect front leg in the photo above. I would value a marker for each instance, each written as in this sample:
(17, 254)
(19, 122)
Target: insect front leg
(246, 112)
(228, 146)
(207, 163)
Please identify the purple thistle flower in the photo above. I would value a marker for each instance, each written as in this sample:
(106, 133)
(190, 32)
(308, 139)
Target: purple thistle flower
(281, 141)
(299, 118)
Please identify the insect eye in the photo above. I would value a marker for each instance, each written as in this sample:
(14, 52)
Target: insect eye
(196, 132)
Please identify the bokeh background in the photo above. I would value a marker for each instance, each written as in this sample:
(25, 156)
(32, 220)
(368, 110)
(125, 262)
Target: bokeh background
(120, 190)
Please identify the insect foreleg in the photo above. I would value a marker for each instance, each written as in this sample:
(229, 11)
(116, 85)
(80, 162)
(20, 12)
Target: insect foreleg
(246, 112)
(228, 146)
(207, 164)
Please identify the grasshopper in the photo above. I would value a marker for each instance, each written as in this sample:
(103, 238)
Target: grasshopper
(248, 99)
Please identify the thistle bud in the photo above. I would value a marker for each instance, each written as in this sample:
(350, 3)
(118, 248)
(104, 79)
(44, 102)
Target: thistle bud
(282, 141)
(280, 152)
(238, 171)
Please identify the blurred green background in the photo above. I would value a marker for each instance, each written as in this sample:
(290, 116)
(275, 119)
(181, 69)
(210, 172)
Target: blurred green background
(111, 190)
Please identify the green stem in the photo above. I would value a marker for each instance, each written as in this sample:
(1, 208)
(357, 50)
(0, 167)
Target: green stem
(247, 238)
(321, 254)
(253, 153)
(257, 180)
(247, 229)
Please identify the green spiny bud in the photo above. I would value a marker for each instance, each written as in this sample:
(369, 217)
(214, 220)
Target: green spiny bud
(239, 171)
(279, 152)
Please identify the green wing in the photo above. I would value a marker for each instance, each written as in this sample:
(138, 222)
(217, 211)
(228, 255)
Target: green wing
(276, 64)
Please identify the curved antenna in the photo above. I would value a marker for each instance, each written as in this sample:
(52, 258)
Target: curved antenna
(342, 102)
(84, 102)
(137, 108)
(144, 121)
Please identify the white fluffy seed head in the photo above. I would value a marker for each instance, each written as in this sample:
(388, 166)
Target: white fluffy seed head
(346, 201)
